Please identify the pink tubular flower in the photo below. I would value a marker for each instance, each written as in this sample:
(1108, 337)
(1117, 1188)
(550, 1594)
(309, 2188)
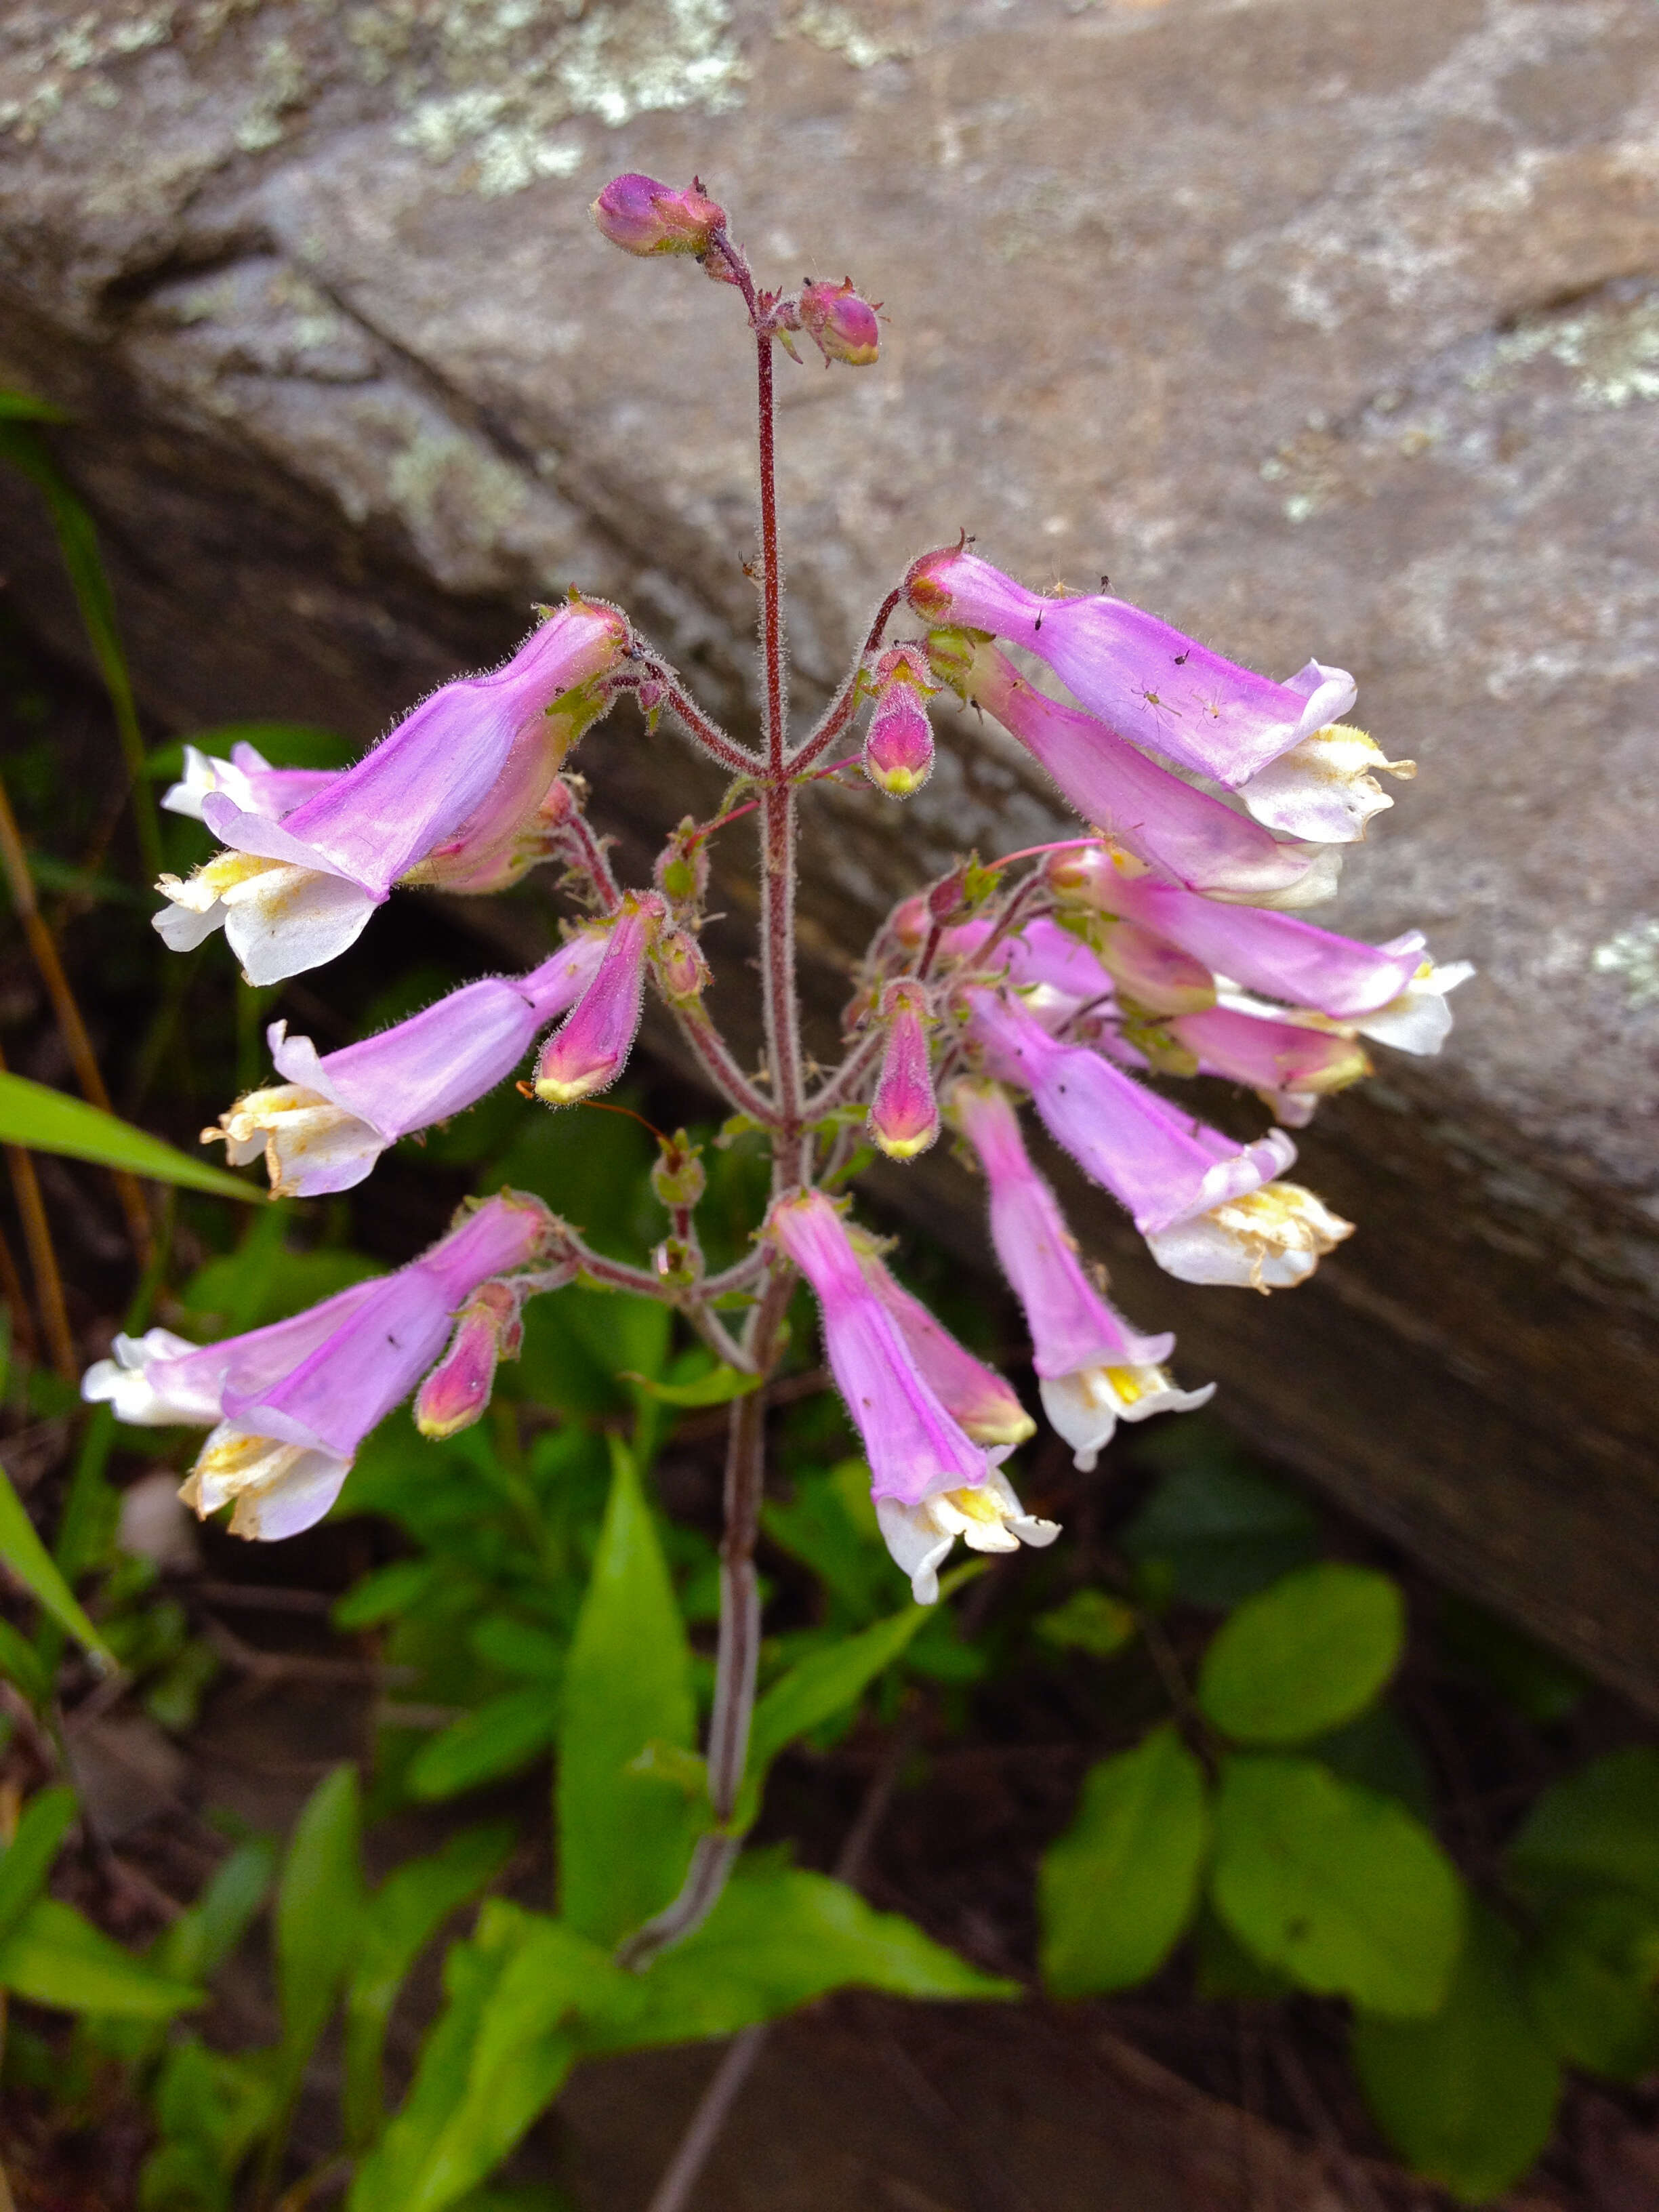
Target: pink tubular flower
(291, 1403)
(1186, 834)
(904, 1113)
(591, 1049)
(1093, 1370)
(645, 218)
(1325, 787)
(325, 1126)
(293, 893)
(488, 1329)
(247, 779)
(1146, 681)
(929, 1482)
(1269, 1239)
(975, 1396)
(898, 744)
(1290, 1065)
(1160, 1163)
(1276, 953)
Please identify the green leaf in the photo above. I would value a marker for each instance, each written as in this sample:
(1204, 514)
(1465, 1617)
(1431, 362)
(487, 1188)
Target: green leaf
(498, 2053)
(829, 1526)
(1117, 1891)
(1589, 1977)
(55, 1957)
(20, 1664)
(1469, 2096)
(825, 1682)
(718, 1388)
(501, 1736)
(1339, 1887)
(25, 1862)
(1598, 1827)
(1305, 1655)
(1219, 1526)
(778, 1938)
(624, 1838)
(32, 1564)
(406, 1913)
(210, 2108)
(1088, 1621)
(200, 1941)
(319, 1913)
(384, 1593)
(24, 407)
(49, 1120)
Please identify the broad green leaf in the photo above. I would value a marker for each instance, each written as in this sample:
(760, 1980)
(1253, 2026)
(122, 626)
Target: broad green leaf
(284, 745)
(1117, 1892)
(20, 1664)
(778, 1938)
(1222, 1529)
(29, 1561)
(49, 1120)
(1598, 1827)
(55, 1957)
(25, 1862)
(385, 1592)
(718, 1388)
(1468, 2098)
(826, 1681)
(1305, 1656)
(624, 1838)
(319, 1913)
(200, 1941)
(405, 1913)
(831, 1527)
(262, 1280)
(518, 1648)
(1589, 1977)
(210, 2108)
(497, 2054)
(1089, 1621)
(1337, 1887)
(504, 1735)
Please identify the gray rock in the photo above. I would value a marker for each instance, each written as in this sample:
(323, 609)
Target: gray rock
(1323, 327)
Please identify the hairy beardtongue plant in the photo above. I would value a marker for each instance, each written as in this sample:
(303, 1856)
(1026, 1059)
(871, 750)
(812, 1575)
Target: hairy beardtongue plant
(1167, 941)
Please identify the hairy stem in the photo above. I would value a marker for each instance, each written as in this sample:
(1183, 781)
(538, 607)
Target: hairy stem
(715, 1054)
(778, 982)
(844, 705)
(702, 728)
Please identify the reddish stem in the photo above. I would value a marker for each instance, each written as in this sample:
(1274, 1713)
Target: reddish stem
(844, 705)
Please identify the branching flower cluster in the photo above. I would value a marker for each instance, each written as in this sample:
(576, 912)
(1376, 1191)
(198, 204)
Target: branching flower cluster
(1168, 940)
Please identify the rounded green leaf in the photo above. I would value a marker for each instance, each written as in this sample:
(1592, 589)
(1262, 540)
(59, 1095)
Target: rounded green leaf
(1337, 1887)
(1589, 1980)
(1468, 2098)
(1303, 1656)
(1118, 1889)
(1598, 1827)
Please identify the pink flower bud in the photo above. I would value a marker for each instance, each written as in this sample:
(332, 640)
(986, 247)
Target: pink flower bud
(911, 920)
(589, 1052)
(842, 326)
(681, 867)
(898, 745)
(487, 1328)
(904, 1114)
(644, 217)
(681, 970)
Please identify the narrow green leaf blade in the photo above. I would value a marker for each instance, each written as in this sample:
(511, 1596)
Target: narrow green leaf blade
(1118, 1891)
(499, 1737)
(1469, 2096)
(827, 1682)
(20, 1664)
(779, 1937)
(22, 1550)
(404, 1914)
(1303, 1656)
(623, 1837)
(23, 407)
(319, 1912)
(26, 1861)
(49, 1120)
(1336, 1885)
(200, 1941)
(55, 1957)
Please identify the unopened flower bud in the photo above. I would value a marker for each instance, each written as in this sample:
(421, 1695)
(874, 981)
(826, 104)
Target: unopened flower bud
(946, 897)
(488, 1329)
(644, 217)
(911, 918)
(681, 970)
(842, 326)
(588, 1053)
(898, 745)
(682, 868)
(904, 1114)
(678, 1178)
